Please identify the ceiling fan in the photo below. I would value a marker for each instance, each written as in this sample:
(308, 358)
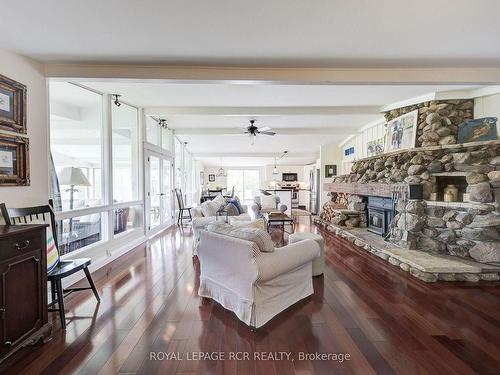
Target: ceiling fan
(254, 130)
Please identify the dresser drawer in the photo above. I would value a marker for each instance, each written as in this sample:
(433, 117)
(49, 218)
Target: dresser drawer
(19, 245)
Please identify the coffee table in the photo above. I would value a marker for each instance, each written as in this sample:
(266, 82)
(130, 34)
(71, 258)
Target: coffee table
(278, 220)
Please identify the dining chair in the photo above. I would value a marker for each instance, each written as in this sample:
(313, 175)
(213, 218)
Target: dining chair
(182, 207)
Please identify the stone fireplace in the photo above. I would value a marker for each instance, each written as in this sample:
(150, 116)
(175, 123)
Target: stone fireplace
(467, 227)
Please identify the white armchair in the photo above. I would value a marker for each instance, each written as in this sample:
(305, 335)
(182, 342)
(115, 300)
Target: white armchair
(256, 286)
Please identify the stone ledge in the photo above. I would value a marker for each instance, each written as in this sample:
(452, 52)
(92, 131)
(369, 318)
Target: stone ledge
(424, 266)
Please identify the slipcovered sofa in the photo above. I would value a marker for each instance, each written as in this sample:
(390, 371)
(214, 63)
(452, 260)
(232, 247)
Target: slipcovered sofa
(255, 285)
(200, 221)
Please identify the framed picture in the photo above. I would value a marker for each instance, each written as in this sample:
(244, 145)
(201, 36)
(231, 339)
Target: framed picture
(375, 147)
(12, 105)
(211, 178)
(401, 132)
(481, 129)
(330, 171)
(14, 161)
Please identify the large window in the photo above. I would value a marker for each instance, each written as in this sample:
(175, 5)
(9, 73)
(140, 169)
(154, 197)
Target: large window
(91, 151)
(125, 153)
(246, 182)
(76, 144)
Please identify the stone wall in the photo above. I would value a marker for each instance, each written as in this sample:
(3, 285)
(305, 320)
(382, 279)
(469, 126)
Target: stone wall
(464, 230)
(480, 164)
(467, 233)
(438, 120)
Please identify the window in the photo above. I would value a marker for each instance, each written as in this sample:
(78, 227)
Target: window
(152, 131)
(246, 182)
(124, 133)
(87, 212)
(76, 146)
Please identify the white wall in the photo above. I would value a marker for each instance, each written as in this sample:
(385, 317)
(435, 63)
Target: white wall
(488, 106)
(222, 181)
(329, 154)
(30, 73)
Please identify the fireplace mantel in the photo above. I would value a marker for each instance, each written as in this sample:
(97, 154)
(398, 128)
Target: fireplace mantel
(365, 189)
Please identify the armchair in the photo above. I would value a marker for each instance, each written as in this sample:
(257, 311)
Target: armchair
(256, 286)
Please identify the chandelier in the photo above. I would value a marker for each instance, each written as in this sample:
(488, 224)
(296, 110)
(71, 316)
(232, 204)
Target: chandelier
(221, 172)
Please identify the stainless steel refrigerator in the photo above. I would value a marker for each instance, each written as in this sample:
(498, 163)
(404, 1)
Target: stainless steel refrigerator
(314, 191)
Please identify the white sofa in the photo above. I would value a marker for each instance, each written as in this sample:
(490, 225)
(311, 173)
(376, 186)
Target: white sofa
(255, 285)
(200, 221)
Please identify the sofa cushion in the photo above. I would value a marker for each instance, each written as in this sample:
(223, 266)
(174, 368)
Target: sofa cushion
(258, 236)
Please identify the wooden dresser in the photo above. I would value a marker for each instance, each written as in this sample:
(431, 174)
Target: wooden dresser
(23, 288)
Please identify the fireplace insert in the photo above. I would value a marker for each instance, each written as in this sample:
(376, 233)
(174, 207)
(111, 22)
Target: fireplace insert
(380, 214)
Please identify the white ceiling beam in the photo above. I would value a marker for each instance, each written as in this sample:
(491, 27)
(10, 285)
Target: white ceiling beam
(279, 131)
(290, 154)
(344, 76)
(261, 111)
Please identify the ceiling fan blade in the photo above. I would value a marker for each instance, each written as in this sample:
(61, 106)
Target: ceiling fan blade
(267, 133)
(264, 129)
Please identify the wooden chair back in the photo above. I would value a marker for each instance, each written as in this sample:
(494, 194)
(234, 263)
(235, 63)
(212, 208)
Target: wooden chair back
(20, 216)
(180, 198)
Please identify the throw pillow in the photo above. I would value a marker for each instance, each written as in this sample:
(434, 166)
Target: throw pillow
(232, 210)
(209, 208)
(237, 203)
(258, 236)
(268, 202)
(219, 200)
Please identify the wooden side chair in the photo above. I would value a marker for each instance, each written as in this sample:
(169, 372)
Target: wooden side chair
(57, 269)
(182, 207)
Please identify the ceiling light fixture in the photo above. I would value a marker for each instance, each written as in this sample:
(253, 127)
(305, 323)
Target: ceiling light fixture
(221, 172)
(275, 170)
(162, 123)
(116, 99)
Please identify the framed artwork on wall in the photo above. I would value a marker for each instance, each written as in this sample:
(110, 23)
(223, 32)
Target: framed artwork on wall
(375, 147)
(211, 178)
(12, 105)
(330, 171)
(14, 161)
(401, 132)
(481, 129)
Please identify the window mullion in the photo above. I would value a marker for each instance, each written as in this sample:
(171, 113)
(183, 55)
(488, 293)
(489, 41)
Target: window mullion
(107, 177)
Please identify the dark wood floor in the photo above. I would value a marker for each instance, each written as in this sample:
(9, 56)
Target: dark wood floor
(387, 321)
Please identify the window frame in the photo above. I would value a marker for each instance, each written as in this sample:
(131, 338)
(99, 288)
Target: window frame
(107, 225)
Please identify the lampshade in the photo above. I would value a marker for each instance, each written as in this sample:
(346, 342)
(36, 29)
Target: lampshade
(73, 176)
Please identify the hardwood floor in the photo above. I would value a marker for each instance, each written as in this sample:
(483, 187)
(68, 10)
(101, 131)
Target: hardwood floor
(386, 321)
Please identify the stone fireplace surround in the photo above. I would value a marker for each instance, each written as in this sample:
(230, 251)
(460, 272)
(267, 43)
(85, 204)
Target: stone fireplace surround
(467, 230)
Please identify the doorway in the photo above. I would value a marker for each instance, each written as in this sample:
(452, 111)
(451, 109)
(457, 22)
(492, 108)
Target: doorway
(158, 191)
